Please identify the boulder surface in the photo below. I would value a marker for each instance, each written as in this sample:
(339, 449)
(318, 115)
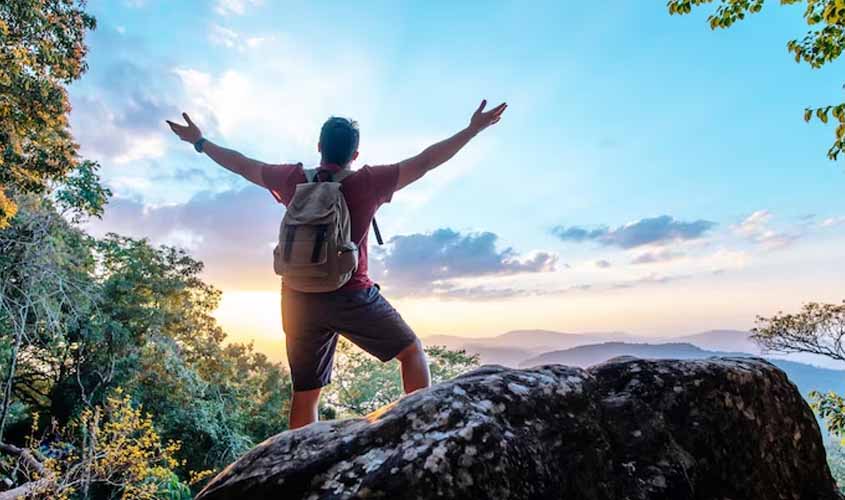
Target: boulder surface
(722, 428)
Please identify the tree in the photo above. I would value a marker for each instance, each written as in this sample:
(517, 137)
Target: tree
(817, 329)
(107, 451)
(822, 44)
(42, 49)
(362, 384)
(45, 291)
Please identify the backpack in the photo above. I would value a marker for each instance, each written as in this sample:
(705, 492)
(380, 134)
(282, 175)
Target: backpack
(315, 252)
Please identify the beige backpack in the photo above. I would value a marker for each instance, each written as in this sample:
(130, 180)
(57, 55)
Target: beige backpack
(315, 252)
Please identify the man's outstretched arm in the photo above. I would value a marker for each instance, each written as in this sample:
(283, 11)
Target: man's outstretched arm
(437, 154)
(227, 158)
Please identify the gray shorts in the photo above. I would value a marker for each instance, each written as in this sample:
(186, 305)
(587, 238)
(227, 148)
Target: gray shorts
(312, 322)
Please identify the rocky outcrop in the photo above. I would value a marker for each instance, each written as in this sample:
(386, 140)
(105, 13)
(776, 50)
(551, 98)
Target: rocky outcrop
(724, 428)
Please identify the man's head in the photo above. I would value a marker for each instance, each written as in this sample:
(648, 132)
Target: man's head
(339, 141)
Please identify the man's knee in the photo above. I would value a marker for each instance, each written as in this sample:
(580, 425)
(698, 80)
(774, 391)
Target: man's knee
(413, 350)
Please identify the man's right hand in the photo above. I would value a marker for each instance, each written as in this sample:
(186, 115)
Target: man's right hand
(188, 133)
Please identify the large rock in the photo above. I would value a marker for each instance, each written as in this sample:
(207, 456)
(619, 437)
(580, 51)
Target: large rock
(724, 428)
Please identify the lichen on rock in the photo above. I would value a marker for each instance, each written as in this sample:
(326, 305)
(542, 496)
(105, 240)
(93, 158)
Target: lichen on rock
(629, 429)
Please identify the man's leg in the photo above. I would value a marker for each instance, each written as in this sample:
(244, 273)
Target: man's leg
(370, 322)
(303, 408)
(310, 347)
(414, 367)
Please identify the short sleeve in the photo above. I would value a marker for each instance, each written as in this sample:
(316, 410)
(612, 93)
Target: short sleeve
(281, 180)
(383, 181)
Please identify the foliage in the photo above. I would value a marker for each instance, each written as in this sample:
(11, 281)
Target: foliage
(81, 195)
(110, 450)
(87, 316)
(836, 461)
(42, 49)
(822, 44)
(817, 329)
(45, 291)
(362, 384)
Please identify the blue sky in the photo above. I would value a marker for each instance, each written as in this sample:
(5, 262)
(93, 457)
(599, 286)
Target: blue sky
(680, 150)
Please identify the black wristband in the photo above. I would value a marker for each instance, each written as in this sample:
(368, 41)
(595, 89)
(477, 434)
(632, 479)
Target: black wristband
(198, 145)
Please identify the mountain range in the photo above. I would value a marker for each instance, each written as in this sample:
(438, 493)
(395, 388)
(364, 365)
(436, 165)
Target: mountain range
(523, 348)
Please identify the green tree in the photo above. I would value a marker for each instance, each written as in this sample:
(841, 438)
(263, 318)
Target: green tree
(42, 49)
(361, 384)
(822, 44)
(81, 317)
(817, 329)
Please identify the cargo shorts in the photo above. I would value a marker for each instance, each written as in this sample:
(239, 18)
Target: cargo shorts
(313, 321)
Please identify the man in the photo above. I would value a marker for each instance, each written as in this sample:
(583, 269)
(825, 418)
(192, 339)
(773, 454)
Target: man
(312, 321)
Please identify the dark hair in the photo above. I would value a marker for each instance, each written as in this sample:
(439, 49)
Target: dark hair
(339, 140)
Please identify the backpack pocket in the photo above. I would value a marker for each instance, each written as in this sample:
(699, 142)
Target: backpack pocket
(347, 258)
(302, 250)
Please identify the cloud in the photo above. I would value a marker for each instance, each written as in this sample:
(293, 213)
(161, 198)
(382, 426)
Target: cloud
(833, 221)
(237, 7)
(657, 230)
(427, 264)
(232, 232)
(652, 257)
(603, 264)
(757, 229)
(218, 35)
(119, 117)
(225, 37)
(651, 279)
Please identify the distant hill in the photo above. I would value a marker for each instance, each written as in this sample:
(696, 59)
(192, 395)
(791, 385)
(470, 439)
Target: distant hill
(721, 340)
(806, 377)
(510, 348)
(589, 355)
(515, 347)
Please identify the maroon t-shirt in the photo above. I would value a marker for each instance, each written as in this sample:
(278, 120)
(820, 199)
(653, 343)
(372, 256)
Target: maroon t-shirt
(364, 190)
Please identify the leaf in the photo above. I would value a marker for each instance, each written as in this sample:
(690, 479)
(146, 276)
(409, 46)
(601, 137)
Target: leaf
(821, 113)
(808, 114)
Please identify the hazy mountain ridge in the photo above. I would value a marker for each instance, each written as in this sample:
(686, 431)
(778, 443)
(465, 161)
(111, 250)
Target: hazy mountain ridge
(514, 347)
(592, 354)
(522, 348)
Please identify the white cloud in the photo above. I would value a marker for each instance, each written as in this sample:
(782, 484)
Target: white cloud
(282, 103)
(182, 238)
(231, 39)
(141, 148)
(218, 35)
(757, 229)
(833, 221)
(119, 135)
(237, 7)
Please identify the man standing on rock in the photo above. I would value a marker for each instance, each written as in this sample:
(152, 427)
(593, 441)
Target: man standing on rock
(312, 321)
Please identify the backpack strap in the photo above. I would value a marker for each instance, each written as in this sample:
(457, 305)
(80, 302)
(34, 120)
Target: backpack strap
(378, 233)
(342, 174)
(322, 231)
(311, 176)
(289, 237)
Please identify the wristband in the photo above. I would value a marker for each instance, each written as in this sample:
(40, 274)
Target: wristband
(198, 145)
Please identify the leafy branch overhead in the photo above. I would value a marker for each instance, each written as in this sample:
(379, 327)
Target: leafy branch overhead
(42, 49)
(823, 43)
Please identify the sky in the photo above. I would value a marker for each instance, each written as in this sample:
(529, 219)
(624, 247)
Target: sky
(650, 175)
